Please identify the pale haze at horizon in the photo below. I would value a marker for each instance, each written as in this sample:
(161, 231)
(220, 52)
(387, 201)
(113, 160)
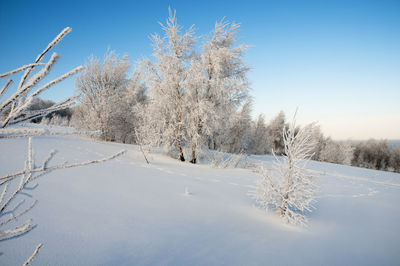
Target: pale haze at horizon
(337, 61)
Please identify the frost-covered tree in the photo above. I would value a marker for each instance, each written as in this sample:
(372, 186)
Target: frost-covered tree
(166, 82)
(290, 188)
(226, 84)
(260, 143)
(320, 140)
(240, 133)
(275, 128)
(194, 97)
(346, 152)
(107, 97)
(329, 152)
(372, 154)
(395, 159)
(199, 115)
(217, 87)
(340, 153)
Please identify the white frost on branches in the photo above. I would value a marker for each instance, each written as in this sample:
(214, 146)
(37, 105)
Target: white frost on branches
(226, 84)
(13, 110)
(194, 97)
(290, 188)
(8, 212)
(107, 98)
(166, 78)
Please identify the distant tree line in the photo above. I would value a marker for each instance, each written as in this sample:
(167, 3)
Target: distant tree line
(377, 155)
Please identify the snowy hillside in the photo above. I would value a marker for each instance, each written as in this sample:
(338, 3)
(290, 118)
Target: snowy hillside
(125, 212)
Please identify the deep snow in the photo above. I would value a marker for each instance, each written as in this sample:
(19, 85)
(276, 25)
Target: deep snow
(125, 212)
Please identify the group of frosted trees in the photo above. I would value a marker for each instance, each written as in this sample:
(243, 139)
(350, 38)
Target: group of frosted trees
(183, 99)
(190, 98)
(193, 95)
(377, 155)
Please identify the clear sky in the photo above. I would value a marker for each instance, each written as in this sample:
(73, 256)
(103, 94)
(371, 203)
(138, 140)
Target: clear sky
(338, 61)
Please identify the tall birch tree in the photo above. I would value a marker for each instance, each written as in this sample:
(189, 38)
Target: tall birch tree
(166, 78)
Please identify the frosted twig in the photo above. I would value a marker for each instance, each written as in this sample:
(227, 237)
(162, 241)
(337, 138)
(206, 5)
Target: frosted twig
(26, 177)
(47, 160)
(30, 259)
(55, 81)
(3, 193)
(5, 87)
(30, 154)
(15, 132)
(44, 133)
(53, 43)
(18, 230)
(14, 217)
(43, 112)
(31, 83)
(12, 197)
(61, 166)
(139, 142)
(12, 72)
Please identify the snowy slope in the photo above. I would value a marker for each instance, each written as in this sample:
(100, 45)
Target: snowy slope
(125, 212)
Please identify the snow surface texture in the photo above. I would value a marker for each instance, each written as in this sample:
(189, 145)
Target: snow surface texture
(127, 212)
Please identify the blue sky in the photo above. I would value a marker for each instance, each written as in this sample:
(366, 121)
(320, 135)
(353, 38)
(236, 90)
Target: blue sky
(338, 61)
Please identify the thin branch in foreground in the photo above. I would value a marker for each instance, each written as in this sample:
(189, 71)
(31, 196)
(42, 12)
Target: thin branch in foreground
(139, 141)
(3, 193)
(12, 72)
(62, 166)
(18, 230)
(14, 217)
(30, 259)
(50, 46)
(5, 87)
(55, 81)
(30, 84)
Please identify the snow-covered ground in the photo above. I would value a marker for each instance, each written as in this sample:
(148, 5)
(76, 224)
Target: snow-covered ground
(125, 212)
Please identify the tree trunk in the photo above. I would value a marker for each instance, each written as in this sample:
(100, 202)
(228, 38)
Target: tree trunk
(179, 137)
(181, 157)
(283, 210)
(194, 159)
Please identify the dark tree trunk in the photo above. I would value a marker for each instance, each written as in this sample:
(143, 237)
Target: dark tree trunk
(194, 159)
(181, 157)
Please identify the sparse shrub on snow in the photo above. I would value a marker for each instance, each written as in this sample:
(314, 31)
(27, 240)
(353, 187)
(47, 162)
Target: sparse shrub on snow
(289, 189)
